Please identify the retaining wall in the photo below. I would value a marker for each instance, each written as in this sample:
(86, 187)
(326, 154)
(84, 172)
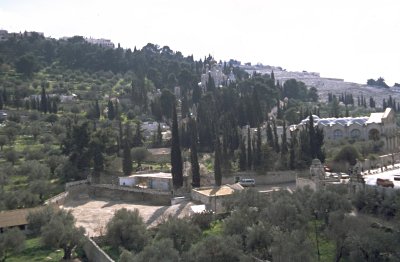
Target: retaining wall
(269, 178)
(94, 253)
(128, 194)
(58, 199)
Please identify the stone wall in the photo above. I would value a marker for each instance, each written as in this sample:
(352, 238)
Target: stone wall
(269, 178)
(94, 253)
(128, 194)
(301, 183)
(58, 199)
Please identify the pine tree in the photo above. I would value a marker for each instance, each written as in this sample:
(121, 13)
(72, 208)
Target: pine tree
(249, 151)
(127, 157)
(193, 154)
(176, 157)
(217, 163)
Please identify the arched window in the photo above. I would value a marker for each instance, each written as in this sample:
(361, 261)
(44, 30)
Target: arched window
(373, 134)
(337, 134)
(355, 134)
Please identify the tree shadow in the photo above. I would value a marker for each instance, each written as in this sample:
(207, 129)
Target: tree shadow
(156, 215)
(181, 207)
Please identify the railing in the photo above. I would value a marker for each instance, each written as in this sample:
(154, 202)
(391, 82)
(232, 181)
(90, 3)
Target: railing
(75, 183)
(132, 189)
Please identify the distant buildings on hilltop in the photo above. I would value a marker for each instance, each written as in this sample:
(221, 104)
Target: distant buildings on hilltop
(5, 35)
(100, 42)
(95, 41)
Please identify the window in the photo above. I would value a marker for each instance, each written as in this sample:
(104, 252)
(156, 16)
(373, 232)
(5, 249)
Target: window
(337, 134)
(355, 133)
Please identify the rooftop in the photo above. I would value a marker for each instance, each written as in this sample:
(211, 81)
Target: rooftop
(154, 175)
(217, 191)
(16, 217)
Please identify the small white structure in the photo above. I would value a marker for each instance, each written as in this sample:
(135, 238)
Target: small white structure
(159, 181)
(213, 197)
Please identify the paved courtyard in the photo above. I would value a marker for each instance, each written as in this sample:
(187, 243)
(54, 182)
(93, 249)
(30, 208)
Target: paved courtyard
(93, 214)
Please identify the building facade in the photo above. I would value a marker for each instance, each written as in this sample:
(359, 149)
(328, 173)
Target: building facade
(377, 127)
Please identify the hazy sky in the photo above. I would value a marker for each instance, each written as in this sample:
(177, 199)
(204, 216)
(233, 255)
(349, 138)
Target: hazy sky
(350, 39)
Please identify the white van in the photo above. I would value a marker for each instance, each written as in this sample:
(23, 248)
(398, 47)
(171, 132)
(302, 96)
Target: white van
(245, 182)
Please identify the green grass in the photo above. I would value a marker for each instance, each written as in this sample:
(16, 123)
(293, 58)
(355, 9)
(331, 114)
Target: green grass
(16, 182)
(326, 246)
(215, 229)
(112, 252)
(35, 251)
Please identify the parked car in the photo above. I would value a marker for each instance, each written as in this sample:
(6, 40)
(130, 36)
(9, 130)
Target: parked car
(247, 182)
(384, 182)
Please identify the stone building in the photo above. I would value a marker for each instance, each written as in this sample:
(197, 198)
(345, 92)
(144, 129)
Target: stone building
(378, 127)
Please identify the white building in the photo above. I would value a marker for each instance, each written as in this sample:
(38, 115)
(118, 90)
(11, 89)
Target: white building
(3, 35)
(158, 181)
(378, 127)
(100, 42)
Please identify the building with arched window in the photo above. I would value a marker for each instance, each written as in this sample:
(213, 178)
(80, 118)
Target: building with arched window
(377, 127)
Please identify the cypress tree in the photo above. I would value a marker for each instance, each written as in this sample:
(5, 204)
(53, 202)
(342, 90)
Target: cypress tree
(4, 96)
(33, 103)
(1, 103)
(176, 157)
(127, 157)
(110, 111)
(98, 158)
(292, 150)
(217, 163)
(249, 151)
(49, 109)
(193, 154)
(159, 135)
(276, 140)
(138, 137)
(311, 132)
(270, 138)
(284, 146)
(210, 84)
(258, 150)
(242, 156)
(97, 109)
(43, 101)
(27, 105)
(54, 107)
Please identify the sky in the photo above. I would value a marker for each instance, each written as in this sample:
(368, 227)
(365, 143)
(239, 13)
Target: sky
(351, 39)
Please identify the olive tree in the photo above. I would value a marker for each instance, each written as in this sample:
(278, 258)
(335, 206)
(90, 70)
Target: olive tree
(60, 232)
(127, 229)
